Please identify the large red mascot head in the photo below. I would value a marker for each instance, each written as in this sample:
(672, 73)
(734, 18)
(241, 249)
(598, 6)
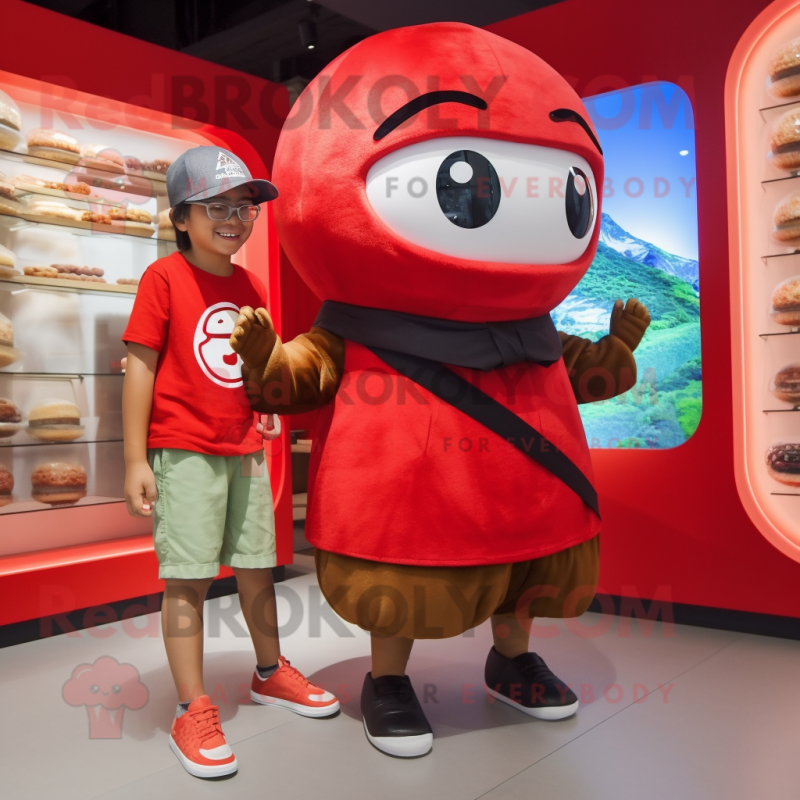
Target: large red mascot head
(440, 170)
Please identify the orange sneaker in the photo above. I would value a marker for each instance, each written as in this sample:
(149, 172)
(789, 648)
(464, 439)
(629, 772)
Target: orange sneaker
(199, 743)
(288, 688)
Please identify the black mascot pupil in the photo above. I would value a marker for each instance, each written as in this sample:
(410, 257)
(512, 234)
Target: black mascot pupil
(470, 196)
(578, 200)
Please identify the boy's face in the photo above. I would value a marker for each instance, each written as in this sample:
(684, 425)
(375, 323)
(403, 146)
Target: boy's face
(219, 237)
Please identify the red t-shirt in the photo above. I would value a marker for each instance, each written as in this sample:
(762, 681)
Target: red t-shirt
(187, 315)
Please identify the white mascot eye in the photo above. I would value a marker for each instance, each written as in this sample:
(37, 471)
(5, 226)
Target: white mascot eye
(487, 199)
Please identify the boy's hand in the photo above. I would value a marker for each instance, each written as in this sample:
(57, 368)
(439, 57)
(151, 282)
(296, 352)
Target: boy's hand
(272, 430)
(630, 323)
(253, 337)
(140, 490)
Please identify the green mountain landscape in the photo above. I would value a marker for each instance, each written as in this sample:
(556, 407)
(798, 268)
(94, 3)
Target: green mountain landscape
(663, 409)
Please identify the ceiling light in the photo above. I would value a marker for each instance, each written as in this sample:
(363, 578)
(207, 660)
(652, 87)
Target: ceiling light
(308, 33)
(684, 153)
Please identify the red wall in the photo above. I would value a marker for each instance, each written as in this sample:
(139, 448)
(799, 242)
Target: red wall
(673, 523)
(673, 518)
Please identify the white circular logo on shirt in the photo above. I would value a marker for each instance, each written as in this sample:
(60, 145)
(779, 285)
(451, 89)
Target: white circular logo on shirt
(212, 347)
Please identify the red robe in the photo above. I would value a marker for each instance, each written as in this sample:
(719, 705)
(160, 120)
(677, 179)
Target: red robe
(399, 476)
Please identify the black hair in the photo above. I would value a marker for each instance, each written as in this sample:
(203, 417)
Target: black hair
(180, 214)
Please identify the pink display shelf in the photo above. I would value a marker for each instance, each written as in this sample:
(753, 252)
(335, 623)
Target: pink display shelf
(760, 346)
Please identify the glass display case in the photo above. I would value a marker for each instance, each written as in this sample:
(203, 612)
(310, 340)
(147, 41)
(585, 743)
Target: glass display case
(763, 125)
(83, 210)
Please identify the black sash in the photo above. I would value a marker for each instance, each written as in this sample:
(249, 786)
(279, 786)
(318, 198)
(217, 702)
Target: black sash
(414, 346)
(461, 394)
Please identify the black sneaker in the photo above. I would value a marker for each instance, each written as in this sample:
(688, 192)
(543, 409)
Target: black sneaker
(393, 718)
(526, 683)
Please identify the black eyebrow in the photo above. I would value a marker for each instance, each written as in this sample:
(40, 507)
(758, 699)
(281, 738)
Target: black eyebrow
(426, 101)
(568, 115)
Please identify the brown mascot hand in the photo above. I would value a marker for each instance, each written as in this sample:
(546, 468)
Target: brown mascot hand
(254, 337)
(630, 323)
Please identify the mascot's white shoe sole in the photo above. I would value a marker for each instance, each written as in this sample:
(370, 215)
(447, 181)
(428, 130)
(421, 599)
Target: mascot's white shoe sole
(402, 746)
(546, 712)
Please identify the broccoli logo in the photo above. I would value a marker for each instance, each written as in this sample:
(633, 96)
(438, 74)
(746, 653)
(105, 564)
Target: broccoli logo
(106, 688)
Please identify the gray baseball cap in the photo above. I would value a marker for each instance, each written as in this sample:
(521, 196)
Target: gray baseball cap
(204, 172)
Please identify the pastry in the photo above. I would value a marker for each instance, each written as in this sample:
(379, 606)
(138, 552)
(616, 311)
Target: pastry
(166, 230)
(787, 220)
(61, 146)
(27, 183)
(132, 164)
(7, 188)
(78, 271)
(40, 271)
(57, 421)
(104, 157)
(8, 354)
(58, 483)
(130, 214)
(784, 71)
(128, 281)
(786, 303)
(8, 205)
(783, 462)
(7, 258)
(52, 208)
(159, 165)
(785, 141)
(6, 486)
(95, 219)
(786, 384)
(10, 418)
(9, 113)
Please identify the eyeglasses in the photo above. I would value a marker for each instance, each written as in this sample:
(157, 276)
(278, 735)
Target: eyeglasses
(222, 211)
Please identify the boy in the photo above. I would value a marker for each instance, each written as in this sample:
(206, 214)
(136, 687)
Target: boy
(194, 457)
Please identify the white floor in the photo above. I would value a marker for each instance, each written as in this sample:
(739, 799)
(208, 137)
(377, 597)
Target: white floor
(718, 717)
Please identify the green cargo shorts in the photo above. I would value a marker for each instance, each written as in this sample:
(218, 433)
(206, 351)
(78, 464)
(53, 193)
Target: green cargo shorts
(211, 510)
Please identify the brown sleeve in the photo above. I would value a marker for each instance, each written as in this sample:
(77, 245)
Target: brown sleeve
(611, 359)
(301, 375)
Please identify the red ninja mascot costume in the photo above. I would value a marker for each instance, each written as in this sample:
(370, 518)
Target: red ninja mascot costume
(439, 193)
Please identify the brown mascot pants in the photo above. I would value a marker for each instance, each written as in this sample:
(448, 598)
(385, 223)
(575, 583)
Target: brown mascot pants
(438, 602)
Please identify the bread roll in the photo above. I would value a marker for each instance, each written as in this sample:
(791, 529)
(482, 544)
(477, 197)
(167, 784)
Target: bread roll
(41, 272)
(7, 258)
(9, 113)
(58, 483)
(784, 71)
(56, 421)
(786, 303)
(10, 418)
(10, 206)
(49, 137)
(166, 230)
(52, 208)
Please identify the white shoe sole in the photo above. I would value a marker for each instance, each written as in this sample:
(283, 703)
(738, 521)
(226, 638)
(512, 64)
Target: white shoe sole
(298, 708)
(548, 713)
(202, 770)
(402, 746)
